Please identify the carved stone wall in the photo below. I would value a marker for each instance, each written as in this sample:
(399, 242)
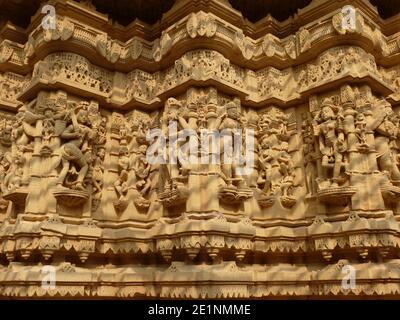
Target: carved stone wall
(78, 192)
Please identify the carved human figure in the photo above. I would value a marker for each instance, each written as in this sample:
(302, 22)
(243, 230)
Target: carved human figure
(173, 116)
(48, 130)
(229, 125)
(79, 135)
(286, 169)
(331, 140)
(120, 185)
(385, 132)
(266, 157)
(13, 177)
(360, 124)
(5, 163)
(25, 126)
(310, 153)
(141, 168)
(98, 171)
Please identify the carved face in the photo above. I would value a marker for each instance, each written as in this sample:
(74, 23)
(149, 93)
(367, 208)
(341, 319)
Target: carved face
(83, 117)
(264, 143)
(327, 113)
(233, 113)
(360, 117)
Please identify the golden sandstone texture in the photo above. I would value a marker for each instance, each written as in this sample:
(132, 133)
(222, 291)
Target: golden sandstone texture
(84, 102)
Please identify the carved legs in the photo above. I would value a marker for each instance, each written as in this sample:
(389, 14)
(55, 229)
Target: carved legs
(336, 169)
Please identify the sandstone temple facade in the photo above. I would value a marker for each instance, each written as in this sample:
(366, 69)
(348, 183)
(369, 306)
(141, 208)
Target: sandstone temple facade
(320, 91)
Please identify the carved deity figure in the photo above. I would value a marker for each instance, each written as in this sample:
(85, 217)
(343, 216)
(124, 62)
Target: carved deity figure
(229, 125)
(13, 178)
(310, 153)
(385, 133)
(98, 170)
(142, 170)
(75, 151)
(267, 157)
(173, 115)
(5, 165)
(286, 169)
(331, 140)
(121, 186)
(360, 125)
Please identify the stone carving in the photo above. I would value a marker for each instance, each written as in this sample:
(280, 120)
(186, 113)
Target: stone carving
(136, 48)
(332, 144)
(290, 47)
(269, 45)
(6, 52)
(10, 86)
(63, 31)
(120, 185)
(201, 65)
(77, 184)
(234, 189)
(276, 176)
(77, 138)
(161, 46)
(29, 48)
(304, 40)
(80, 149)
(201, 24)
(330, 131)
(343, 25)
(311, 154)
(134, 171)
(320, 30)
(74, 68)
(173, 175)
(244, 44)
(109, 49)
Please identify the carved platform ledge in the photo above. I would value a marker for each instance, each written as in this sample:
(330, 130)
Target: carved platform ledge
(240, 282)
(336, 196)
(70, 197)
(243, 82)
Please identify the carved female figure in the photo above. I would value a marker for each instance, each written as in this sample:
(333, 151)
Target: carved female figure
(361, 129)
(78, 134)
(142, 169)
(266, 158)
(229, 126)
(331, 140)
(120, 185)
(286, 169)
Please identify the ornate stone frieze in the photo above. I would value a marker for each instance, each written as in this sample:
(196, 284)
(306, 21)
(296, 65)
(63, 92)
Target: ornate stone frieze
(201, 24)
(68, 69)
